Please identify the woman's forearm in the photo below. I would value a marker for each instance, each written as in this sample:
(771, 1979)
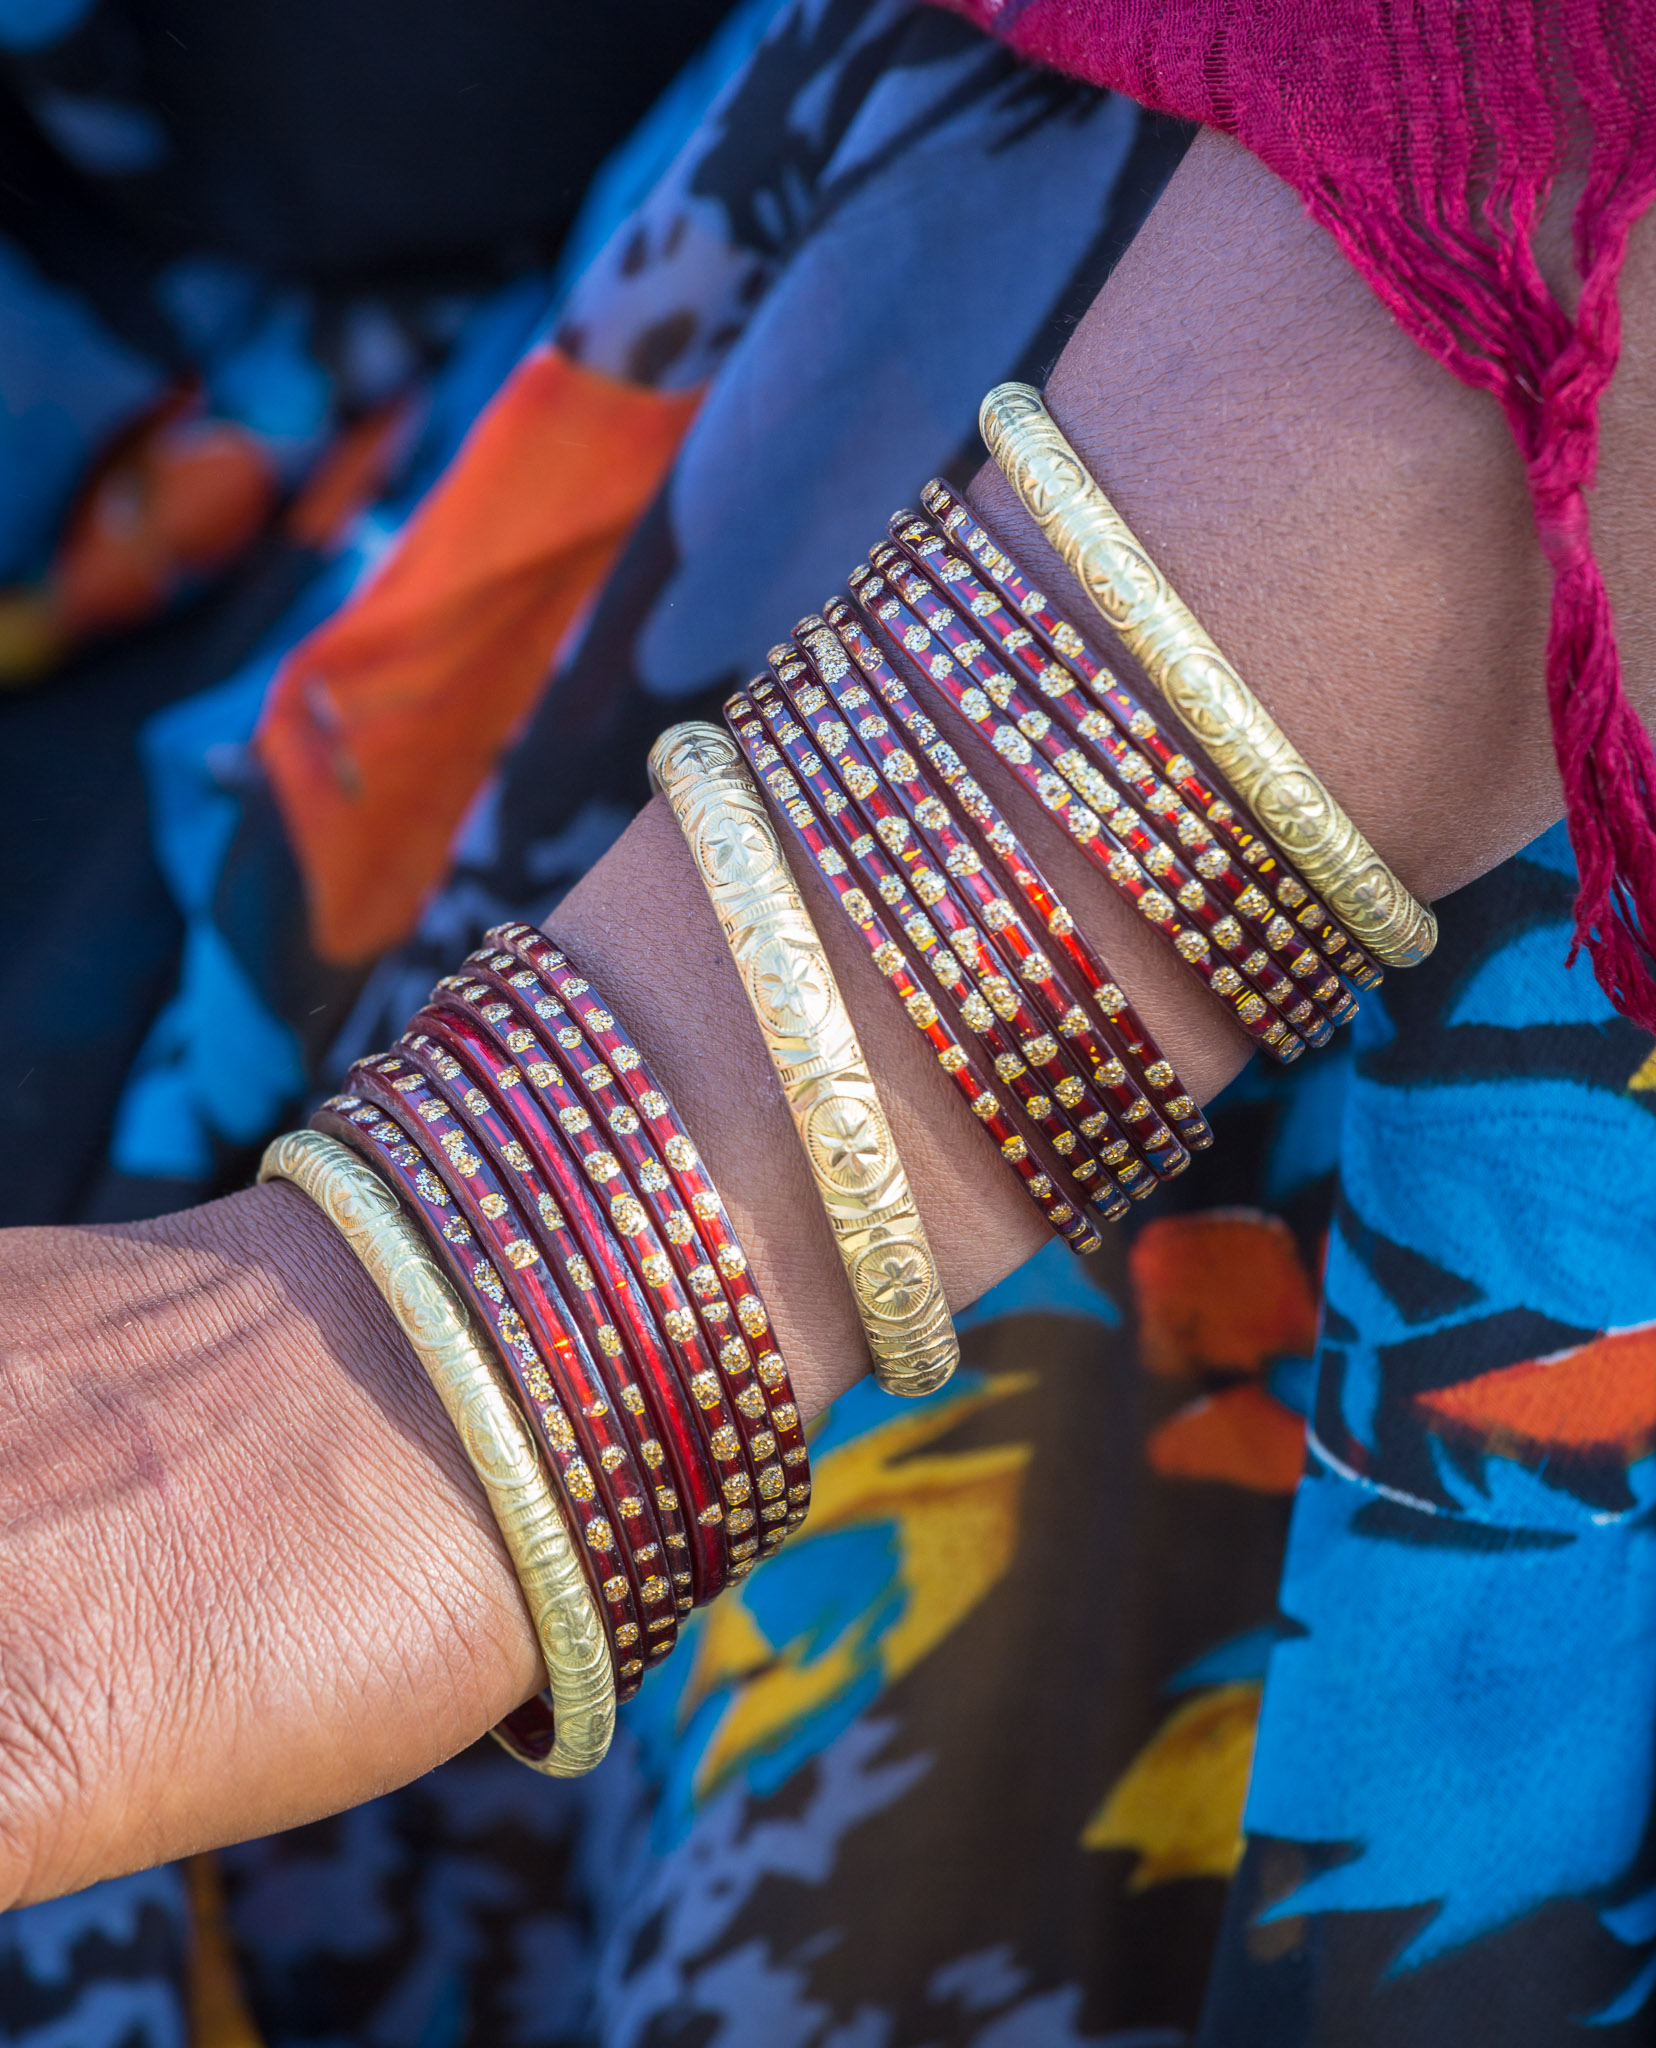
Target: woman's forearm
(1354, 528)
(245, 1576)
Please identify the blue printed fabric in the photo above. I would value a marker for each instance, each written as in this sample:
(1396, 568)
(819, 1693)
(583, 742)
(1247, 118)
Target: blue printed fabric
(1254, 1646)
(1450, 1813)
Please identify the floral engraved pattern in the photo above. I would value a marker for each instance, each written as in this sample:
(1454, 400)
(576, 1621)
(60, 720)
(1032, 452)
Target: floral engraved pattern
(896, 1283)
(737, 849)
(846, 1144)
(790, 987)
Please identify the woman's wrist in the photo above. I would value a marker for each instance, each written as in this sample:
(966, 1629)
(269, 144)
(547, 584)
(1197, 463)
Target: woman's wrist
(249, 1575)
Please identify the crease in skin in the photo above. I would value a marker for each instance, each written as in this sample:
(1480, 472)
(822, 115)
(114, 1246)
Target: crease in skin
(1350, 525)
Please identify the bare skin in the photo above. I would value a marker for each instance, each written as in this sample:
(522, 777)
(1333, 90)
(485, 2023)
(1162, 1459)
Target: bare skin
(246, 1577)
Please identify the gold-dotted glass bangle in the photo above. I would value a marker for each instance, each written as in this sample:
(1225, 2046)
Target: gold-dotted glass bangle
(813, 1046)
(1159, 630)
(471, 1388)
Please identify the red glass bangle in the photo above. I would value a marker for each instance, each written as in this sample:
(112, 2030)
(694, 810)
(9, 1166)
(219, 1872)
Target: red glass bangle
(566, 1321)
(702, 1220)
(899, 972)
(1106, 1026)
(571, 1418)
(1120, 803)
(714, 1268)
(1050, 1089)
(1148, 814)
(639, 1354)
(567, 1225)
(952, 845)
(1034, 610)
(883, 609)
(659, 1370)
(993, 1012)
(620, 1070)
(689, 1303)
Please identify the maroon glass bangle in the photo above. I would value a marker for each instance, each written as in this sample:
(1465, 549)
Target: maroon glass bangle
(565, 1322)
(641, 1216)
(715, 1380)
(622, 1071)
(1140, 865)
(992, 1023)
(1116, 798)
(952, 845)
(637, 1353)
(1033, 608)
(1040, 1072)
(884, 937)
(658, 1372)
(1149, 815)
(994, 1010)
(882, 608)
(1065, 1105)
(567, 1226)
(716, 1306)
(538, 1344)
(899, 972)
(1106, 1027)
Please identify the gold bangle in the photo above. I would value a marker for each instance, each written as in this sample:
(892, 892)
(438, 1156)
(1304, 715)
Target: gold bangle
(1159, 630)
(813, 1046)
(471, 1388)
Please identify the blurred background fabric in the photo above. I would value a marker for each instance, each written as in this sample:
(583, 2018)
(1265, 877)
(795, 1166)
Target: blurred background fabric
(258, 274)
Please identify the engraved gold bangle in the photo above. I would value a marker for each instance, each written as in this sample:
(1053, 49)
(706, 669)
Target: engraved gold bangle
(1245, 743)
(813, 1046)
(471, 1388)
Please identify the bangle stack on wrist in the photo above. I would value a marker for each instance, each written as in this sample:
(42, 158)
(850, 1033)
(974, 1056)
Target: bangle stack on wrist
(898, 966)
(1056, 647)
(1106, 1026)
(529, 1202)
(568, 1215)
(1108, 818)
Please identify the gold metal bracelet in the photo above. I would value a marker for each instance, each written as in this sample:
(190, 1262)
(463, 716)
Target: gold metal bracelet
(813, 1046)
(1162, 634)
(496, 1438)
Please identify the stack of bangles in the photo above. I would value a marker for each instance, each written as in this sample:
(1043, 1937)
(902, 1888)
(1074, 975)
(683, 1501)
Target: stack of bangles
(528, 1202)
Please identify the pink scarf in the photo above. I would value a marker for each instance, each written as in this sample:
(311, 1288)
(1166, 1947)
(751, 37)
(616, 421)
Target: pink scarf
(1425, 135)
